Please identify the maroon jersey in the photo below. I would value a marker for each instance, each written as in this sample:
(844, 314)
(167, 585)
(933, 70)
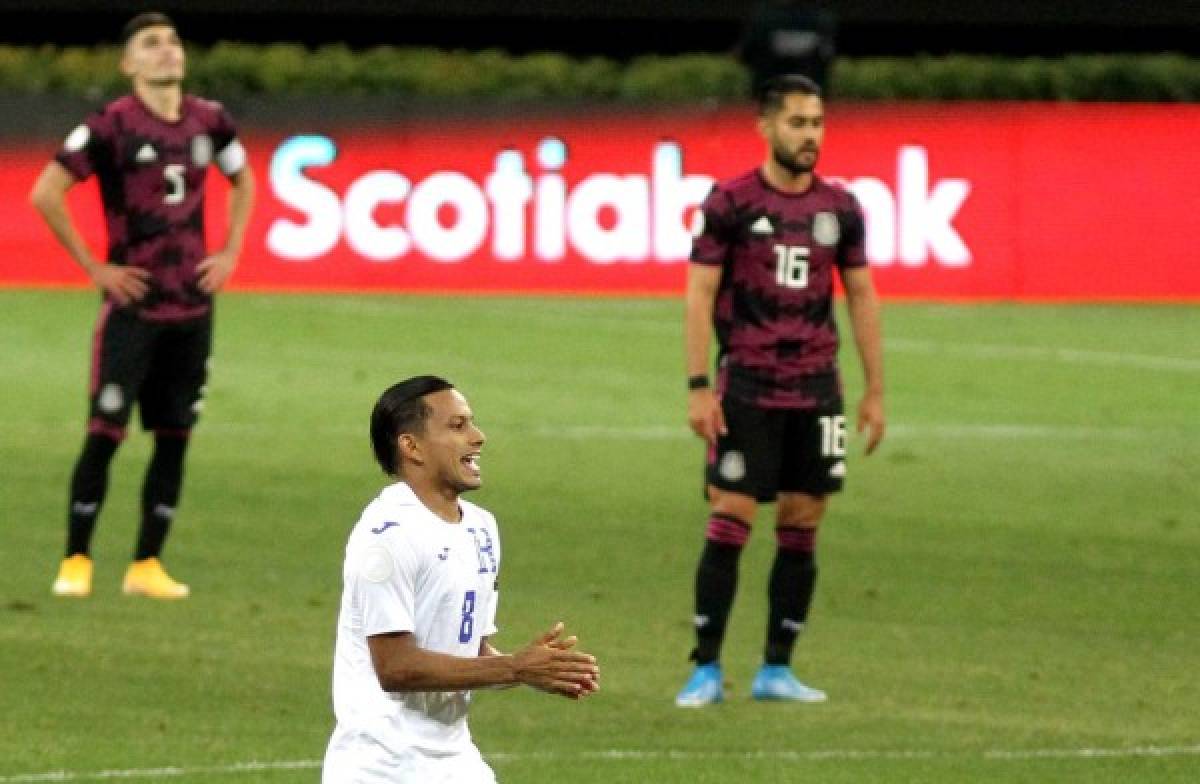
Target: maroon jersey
(152, 176)
(774, 310)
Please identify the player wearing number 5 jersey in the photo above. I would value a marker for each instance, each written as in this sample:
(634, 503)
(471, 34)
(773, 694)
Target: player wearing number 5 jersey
(151, 152)
(419, 606)
(768, 245)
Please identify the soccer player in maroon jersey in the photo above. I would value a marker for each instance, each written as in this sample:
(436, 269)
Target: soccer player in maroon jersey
(767, 245)
(151, 151)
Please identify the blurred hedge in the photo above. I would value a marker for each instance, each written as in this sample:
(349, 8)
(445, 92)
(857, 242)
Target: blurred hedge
(229, 70)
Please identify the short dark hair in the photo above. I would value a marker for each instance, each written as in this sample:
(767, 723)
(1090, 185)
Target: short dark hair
(401, 409)
(141, 22)
(774, 90)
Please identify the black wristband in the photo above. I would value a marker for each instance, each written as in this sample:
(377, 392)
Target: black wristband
(698, 382)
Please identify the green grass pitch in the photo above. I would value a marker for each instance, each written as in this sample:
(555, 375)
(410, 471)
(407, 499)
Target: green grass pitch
(1008, 589)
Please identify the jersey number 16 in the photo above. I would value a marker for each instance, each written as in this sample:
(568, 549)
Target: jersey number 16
(791, 266)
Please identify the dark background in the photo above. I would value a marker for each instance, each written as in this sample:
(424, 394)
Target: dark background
(625, 28)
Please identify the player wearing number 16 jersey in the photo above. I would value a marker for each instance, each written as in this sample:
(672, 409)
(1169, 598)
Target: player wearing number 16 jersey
(419, 606)
(768, 245)
(151, 152)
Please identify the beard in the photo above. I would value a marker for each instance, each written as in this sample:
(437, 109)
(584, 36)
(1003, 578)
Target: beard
(793, 166)
(459, 483)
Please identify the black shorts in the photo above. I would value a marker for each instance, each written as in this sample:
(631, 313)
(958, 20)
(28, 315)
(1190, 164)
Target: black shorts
(768, 451)
(163, 366)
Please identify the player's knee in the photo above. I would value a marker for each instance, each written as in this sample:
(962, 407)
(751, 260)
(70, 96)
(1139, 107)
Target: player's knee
(797, 510)
(742, 507)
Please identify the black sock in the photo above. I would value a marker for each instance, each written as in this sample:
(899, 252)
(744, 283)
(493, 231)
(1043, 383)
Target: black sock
(716, 584)
(89, 483)
(160, 494)
(790, 592)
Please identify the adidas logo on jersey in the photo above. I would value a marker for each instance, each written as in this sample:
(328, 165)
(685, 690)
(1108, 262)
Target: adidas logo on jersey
(762, 226)
(146, 154)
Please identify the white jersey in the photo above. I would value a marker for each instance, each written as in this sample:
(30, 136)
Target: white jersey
(408, 570)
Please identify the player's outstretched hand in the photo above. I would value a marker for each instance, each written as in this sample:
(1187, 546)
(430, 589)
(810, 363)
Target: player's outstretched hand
(705, 414)
(549, 664)
(123, 284)
(215, 270)
(871, 419)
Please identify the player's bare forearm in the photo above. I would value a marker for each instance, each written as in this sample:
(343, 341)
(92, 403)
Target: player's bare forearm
(704, 410)
(487, 649)
(241, 205)
(49, 198)
(401, 665)
(863, 305)
(869, 342)
(215, 270)
(702, 285)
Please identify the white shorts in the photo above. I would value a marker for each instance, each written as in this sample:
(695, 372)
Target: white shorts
(367, 765)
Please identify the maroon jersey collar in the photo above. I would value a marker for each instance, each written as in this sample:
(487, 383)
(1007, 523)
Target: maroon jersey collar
(155, 116)
(786, 194)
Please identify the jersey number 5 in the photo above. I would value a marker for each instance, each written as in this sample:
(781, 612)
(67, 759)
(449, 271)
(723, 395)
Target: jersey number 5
(176, 187)
(791, 266)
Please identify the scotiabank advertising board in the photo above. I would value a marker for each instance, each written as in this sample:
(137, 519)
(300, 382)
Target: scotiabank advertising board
(1014, 201)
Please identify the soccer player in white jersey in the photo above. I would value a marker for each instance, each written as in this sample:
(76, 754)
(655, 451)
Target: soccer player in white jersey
(419, 606)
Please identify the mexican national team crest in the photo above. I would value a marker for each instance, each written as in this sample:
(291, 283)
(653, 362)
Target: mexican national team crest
(202, 150)
(825, 229)
(732, 466)
(111, 399)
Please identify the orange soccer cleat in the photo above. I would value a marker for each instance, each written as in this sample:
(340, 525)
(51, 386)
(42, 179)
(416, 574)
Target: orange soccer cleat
(147, 577)
(74, 577)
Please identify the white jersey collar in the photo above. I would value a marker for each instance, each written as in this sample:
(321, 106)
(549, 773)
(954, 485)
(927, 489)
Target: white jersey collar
(400, 494)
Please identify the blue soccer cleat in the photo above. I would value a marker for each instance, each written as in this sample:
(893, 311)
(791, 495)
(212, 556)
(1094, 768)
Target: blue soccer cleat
(703, 688)
(776, 682)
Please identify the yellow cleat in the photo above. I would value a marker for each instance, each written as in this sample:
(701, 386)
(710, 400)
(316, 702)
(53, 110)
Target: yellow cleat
(148, 578)
(74, 577)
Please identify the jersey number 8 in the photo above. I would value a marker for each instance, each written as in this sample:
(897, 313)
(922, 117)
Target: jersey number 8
(791, 266)
(467, 627)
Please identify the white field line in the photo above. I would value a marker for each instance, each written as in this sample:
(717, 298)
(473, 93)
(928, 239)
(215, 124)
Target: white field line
(1053, 354)
(618, 755)
(949, 431)
(1014, 431)
(953, 432)
(156, 773)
